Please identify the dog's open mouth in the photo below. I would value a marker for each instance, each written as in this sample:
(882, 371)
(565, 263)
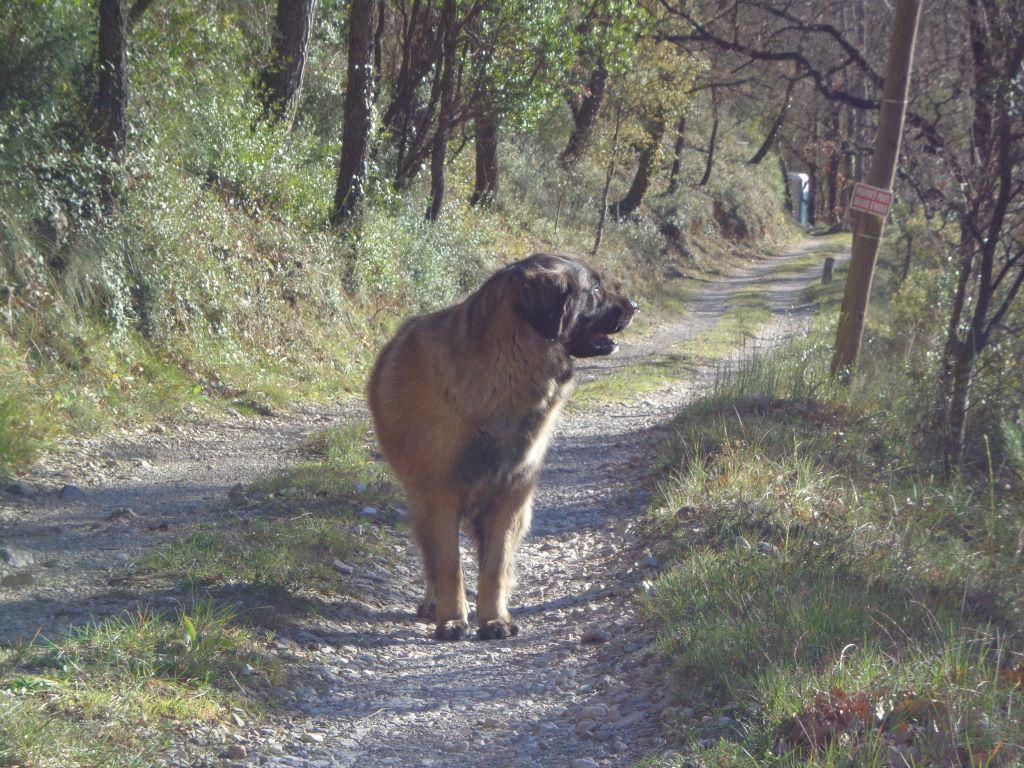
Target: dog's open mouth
(592, 344)
(593, 337)
(602, 343)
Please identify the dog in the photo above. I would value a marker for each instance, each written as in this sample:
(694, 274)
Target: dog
(464, 400)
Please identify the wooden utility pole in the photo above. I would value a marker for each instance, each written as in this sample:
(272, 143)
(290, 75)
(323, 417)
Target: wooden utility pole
(867, 228)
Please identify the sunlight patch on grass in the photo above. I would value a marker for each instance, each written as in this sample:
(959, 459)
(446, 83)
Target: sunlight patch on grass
(833, 605)
(747, 313)
(112, 693)
(293, 524)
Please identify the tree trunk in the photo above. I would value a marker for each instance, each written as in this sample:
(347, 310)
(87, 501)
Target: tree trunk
(378, 42)
(812, 195)
(711, 152)
(787, 194)
(647, 166)
(677, 155)
(485, 140)
(773, 132)
(832, 164)
(397, 115)
(585, 115)
(962, 376)
(405, 118)
(355, 139)
(607, 182)
(135, 13)
(439, 148)
(908, 257)
(281, 81)
(112, 98)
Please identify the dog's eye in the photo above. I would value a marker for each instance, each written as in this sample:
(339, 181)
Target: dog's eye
(596, 290)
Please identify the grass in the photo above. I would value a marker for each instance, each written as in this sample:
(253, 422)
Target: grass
(829, 602)
(112, 694)
(118, 692)
(291, 528)
(748, 312)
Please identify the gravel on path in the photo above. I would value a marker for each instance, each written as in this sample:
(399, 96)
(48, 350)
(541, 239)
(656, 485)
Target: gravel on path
(579, 686)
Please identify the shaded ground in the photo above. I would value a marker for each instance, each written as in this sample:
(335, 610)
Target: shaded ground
(373, 688)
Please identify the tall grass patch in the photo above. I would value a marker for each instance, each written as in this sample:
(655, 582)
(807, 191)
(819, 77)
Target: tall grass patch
(829, 600)
(293, 527)
(112, 693)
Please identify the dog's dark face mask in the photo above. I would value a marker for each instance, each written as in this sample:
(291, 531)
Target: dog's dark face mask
(564, 300)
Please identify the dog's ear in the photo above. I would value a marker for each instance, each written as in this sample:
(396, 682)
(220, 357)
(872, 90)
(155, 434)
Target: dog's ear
(546, 301)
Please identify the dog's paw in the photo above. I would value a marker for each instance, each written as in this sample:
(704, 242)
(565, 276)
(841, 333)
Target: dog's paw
(451, 630)
(427, 611)
(497, 630)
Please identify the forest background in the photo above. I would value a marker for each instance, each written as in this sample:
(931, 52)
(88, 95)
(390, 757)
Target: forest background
(230, 204)
(214, 207)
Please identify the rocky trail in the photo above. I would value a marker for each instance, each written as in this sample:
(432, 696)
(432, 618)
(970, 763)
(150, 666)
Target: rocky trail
(578, 687)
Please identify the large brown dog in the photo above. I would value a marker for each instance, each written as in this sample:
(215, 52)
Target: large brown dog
(464, 400)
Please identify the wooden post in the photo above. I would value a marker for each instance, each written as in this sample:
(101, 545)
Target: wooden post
(826, 270)
(868, 229)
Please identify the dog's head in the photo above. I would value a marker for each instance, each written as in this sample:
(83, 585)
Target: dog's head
(564, 300)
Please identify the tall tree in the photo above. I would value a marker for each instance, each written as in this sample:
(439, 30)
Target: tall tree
(659, 84)
(585, 105)
(485, 143)
(407, 119)
(355, 139)
(647, 163)
(112, 98)
(776, 126)
(281, 79)
(990, 273)
(439, 148)
(677, 155)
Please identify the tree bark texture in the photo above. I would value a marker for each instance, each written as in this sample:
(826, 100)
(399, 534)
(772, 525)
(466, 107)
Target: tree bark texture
(407, 120)
(607, 183)
(112, 98)
(584, 113)
(281, 80)
(439, 146)
(485, 140)
(355, 139)
(137, 10)
(776, 126)
(677, 155)
(647, 166)
(710, 162)
(112, 101)
(961, 379)
(787, 194)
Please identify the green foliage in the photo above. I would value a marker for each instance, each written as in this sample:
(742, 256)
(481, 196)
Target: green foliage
(112, 693)
(816, 563)
(521, 56)
(310, 522)
(217, 283)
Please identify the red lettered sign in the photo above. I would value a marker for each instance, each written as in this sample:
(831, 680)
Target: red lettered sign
(873, 200)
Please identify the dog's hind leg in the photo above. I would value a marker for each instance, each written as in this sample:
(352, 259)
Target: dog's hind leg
(427, 609)
(434, 519)
(498, 531)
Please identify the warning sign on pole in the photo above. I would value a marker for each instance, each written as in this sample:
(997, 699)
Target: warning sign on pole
(873, 200)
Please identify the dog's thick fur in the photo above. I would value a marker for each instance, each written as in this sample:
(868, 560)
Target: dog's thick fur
(464, 400)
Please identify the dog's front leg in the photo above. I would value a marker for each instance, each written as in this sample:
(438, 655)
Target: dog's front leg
(498, 532)
(434, 519)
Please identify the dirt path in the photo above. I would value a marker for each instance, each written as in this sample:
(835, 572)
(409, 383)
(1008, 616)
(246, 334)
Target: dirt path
(576, 688)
